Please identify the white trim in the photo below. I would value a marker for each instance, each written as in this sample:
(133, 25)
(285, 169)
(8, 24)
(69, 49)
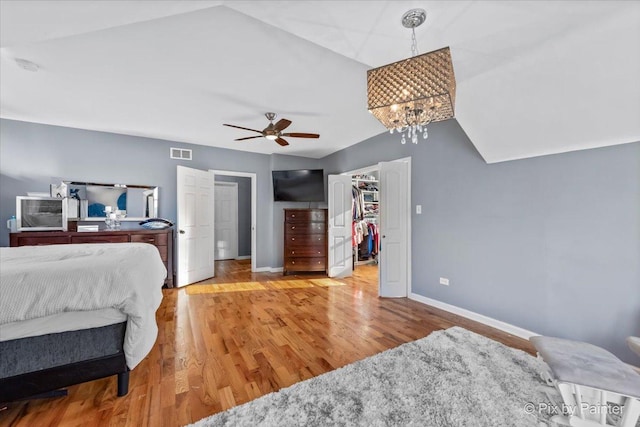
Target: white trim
(254, 210)
(269, 270)
(241, 257)
(489, 321)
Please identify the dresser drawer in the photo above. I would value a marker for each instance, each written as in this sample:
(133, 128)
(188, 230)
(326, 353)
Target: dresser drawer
(42, 240)
(100, 239)
(305, 264)
(154, 239)
(293, 215)
(305, 251)
(305, 240)
(305, 228)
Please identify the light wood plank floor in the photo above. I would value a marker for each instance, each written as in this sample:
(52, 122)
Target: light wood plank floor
(241, 335)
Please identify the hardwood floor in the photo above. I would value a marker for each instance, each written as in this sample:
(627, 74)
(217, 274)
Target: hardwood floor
(241, 335)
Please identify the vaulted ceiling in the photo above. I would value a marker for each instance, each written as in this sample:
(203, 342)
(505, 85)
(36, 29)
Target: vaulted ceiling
(533, 77)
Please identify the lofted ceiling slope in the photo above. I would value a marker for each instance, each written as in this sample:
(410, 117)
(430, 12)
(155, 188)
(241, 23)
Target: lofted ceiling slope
(534, 77)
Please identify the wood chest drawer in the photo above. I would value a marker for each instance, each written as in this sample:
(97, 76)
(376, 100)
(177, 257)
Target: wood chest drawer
(154, 239)
(305, 240)
(305, 228)
(305, 251)
(306, 264)
(100, 239)
(40, 240)
(305, 215)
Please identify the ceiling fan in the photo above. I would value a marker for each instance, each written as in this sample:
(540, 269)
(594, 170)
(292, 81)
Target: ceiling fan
(274, 131)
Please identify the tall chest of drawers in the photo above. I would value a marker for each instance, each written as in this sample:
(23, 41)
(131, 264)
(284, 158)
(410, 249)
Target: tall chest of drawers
(305, 240)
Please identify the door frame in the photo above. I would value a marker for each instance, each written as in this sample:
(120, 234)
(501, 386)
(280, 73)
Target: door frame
(376, 167)
(254, 207)
(237, 234)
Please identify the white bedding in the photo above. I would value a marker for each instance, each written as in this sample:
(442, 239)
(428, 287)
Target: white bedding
(40, 281)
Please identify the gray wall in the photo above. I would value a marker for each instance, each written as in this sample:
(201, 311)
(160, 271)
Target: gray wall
(32, 156)
(244, 211)
(550, 244)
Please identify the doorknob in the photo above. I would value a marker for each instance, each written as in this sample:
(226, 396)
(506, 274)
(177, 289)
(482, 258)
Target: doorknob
(384, 236)
(181, 232)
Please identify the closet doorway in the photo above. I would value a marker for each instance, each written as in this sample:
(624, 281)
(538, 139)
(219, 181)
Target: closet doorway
(245, 216)
(382, 224)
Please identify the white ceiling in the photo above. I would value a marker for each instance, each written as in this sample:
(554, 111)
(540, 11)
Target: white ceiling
(533, 77)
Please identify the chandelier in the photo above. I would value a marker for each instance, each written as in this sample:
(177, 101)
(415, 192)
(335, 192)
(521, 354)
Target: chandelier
(407, 95)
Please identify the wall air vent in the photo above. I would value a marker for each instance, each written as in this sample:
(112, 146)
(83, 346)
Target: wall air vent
(180, 153)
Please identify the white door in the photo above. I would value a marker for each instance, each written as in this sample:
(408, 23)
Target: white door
(394, 216)
(340, 214)
(226, 220)
(195, 225)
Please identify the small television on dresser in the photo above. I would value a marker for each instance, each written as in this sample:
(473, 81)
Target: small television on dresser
(41, 213)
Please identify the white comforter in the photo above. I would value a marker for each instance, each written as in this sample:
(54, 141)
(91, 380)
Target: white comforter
(37, 281)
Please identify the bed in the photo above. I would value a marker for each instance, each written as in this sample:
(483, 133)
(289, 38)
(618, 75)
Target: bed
(75, 313)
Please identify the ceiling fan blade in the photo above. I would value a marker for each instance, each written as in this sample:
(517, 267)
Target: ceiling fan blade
(248, 137)
(282, 142)
(302, 135)
(240, 127)
(282, 125)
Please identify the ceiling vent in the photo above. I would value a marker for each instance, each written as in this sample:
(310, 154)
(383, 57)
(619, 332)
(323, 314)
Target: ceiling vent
(181, 154)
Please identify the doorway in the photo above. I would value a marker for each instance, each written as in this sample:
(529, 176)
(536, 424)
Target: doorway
(387, 207)
(247, 211)
(226, 219)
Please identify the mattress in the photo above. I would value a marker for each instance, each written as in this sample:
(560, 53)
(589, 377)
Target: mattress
(61, 322)
(41, 281)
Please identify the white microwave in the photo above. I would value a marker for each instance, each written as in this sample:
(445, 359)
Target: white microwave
(41, 213)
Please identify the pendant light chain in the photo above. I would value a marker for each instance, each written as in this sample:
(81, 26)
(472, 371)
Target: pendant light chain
(414, 42)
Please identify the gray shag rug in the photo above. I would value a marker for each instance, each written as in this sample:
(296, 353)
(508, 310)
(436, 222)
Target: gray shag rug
(449, 378)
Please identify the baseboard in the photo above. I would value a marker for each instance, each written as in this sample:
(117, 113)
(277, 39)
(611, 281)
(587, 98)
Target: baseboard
(489, 321)
(243, 257)
(268, 270)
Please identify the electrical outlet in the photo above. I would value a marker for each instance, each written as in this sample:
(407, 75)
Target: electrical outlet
(444, 281)
(418, 209)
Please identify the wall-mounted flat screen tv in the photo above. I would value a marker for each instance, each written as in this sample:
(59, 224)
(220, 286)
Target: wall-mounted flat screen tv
(305, 185)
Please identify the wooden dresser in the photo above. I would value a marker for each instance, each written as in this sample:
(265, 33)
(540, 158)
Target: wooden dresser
(162, 239)
(305, 240)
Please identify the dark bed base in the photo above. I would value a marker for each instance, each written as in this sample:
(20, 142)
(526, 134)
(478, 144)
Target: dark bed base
(36, 365)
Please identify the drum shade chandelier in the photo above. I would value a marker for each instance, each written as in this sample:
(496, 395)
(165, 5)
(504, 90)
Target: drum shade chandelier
(407, 95)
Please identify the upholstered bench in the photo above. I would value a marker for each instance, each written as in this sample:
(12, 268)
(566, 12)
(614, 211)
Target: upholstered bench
(589, 379)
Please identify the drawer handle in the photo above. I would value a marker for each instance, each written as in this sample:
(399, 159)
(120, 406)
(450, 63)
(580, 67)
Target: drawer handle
(293, 252)
(318, 252)
(293, 216)
(293, 227)
(293, 262)
(293, 238)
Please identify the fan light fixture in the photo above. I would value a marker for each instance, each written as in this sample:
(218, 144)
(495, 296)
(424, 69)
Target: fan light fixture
(407, 95)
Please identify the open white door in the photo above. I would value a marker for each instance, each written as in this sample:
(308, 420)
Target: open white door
(226, 220)
(394, 217)
(195, 225)
(340, 248)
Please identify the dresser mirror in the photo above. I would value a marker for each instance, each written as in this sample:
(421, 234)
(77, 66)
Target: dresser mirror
(89, 201)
